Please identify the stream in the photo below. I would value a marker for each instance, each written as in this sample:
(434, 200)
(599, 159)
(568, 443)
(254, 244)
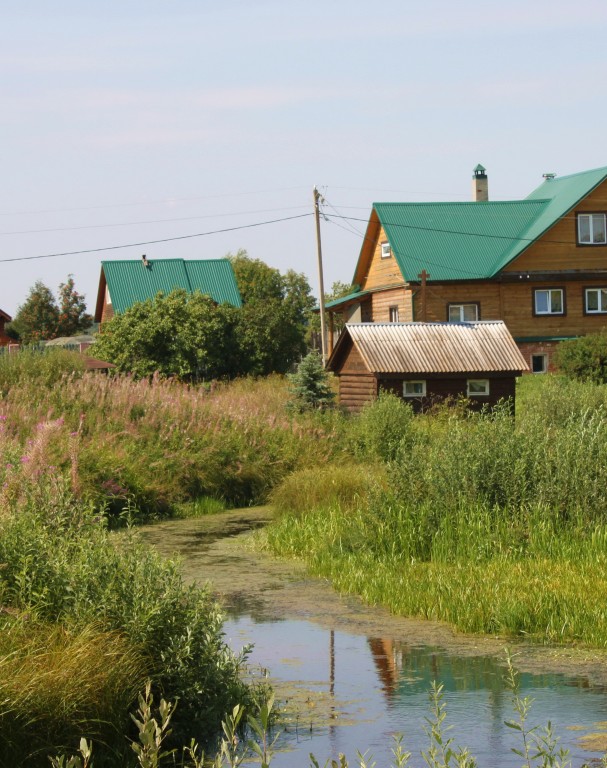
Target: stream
(349, 676)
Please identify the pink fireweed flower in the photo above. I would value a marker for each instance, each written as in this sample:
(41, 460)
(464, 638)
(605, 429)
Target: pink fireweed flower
(25, 459)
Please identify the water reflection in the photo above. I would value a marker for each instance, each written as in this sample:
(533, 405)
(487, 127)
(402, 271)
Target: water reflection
(369, 688)
(346, 691)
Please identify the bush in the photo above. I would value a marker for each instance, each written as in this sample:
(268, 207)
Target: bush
(584, 358)
(60, 565)
(382, 426)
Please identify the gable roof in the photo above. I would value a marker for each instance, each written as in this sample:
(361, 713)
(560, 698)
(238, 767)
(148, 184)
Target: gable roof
(131, 281)
(433, 347)
(474, 240)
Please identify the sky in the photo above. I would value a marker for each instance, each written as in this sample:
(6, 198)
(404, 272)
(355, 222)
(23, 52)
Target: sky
(206, 125)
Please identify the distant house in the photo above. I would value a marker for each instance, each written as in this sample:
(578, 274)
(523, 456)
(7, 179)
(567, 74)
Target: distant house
(425, 363)
(539, 264)
(4, 339)
(124, 283)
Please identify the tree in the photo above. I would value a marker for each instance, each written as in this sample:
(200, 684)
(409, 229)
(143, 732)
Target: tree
(37, 318)
(275, 315)
(72, 310)
(40, 318)
(310, 384)
(178, 334)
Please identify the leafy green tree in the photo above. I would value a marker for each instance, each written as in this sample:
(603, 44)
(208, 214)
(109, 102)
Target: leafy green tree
(73, 316)
(274, 320)
(37, 318)
(311, 384)
(584, 358)
(40, 318)
(178, 334)
(338, 290)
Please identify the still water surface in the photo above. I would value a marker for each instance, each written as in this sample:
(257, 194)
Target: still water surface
(351, 676)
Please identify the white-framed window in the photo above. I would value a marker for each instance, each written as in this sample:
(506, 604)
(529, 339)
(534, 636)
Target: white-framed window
(539, 363)
(595, 301)
(478, 387)
(591, 229)
(549, 301)
(393, 314)
(414, 388)
(108, 298)
(463, 313)
(386, 250)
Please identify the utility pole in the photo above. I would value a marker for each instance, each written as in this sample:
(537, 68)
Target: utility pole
(321, 283)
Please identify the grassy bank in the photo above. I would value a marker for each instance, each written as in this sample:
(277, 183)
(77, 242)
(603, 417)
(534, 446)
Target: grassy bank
(493, 524)
(142, 447)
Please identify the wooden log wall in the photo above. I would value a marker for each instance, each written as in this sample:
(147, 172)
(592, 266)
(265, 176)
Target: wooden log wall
(356, 389)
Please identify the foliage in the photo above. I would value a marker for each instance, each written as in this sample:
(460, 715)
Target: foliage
(61, 565)
(273, 322)
(56, 683)
(241, 746)
(382, 427)
(344, 485)
(475, 508)
(73, 316)
(178, 334)
(40, 318)
(584, 358)
(38, 368)
(37, 318)
(311, 384)
(338, 290)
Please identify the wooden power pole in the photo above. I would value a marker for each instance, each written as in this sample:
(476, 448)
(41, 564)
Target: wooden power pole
(321, 282)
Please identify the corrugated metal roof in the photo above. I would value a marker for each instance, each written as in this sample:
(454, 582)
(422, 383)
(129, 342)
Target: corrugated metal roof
(456, 241)
(344, 299)
(436, 347)
(475, 240)
(130, 281)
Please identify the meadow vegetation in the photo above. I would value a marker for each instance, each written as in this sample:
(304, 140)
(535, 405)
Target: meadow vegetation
(495, 524)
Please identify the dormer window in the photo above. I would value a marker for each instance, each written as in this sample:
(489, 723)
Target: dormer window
(386, 250)
(591, 229)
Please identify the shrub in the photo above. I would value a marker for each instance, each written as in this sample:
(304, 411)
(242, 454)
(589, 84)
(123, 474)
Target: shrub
(382, 426)
(584, 358)
(61, 565)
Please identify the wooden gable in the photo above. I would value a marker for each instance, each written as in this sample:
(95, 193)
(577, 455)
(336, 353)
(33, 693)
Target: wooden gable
(373, 271)
(558, 249)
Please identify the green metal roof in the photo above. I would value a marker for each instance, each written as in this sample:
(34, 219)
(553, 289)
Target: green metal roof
(130, 281)
(476, 240)
(344, 299)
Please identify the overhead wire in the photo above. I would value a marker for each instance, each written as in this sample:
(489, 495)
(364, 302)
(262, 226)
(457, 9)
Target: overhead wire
(154, 242)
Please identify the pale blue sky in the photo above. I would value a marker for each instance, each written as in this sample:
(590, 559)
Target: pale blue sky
(140, 120)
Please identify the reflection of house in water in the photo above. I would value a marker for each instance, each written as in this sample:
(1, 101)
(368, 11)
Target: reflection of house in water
(386, 659)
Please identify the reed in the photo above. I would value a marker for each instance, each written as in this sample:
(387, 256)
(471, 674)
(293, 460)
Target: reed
(491, 523)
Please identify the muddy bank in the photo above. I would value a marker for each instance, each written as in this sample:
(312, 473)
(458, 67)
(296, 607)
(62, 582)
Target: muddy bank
(220, 550)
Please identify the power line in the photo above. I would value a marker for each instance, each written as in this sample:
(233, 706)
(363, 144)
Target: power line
(155, 242)
(436, 230)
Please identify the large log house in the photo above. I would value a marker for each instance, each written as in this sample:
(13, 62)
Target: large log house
(538, 264)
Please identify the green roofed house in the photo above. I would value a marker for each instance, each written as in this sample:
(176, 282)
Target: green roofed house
(539, 264)
(124, 283)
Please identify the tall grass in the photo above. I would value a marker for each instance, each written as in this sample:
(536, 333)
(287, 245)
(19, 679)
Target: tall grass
(56, 683)
(151, 444)
(491, 523)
